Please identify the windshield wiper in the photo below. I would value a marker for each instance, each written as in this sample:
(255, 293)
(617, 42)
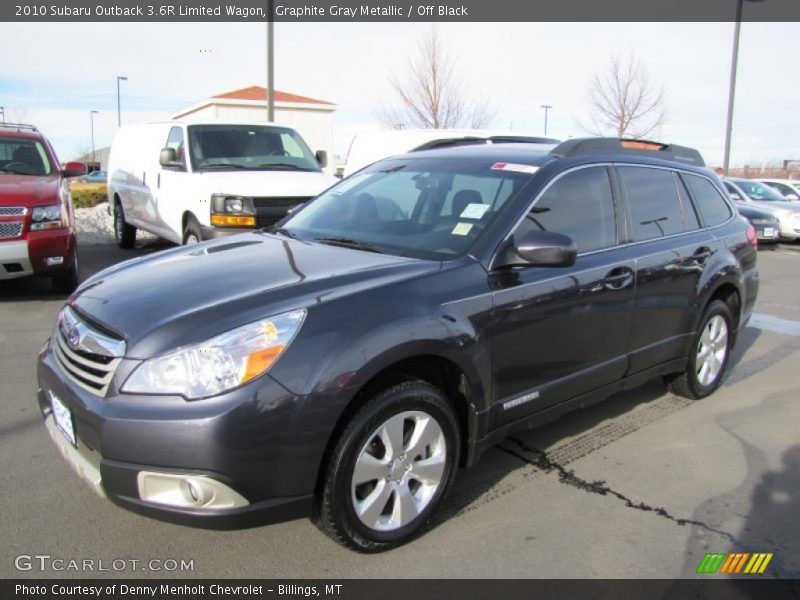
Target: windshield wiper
(222, 166)
(282, 166)
(283, 231)
(349, 243)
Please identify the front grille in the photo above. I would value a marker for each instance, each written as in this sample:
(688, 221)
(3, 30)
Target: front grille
(279, 202)
(13, 211)
(88, 370)
(10, 230)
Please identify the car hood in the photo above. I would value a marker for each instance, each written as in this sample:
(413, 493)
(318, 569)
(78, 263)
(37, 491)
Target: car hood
(27, 190)
(177, 297)
(265, 183)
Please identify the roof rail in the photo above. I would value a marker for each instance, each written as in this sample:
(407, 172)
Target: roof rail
(582, 146)
(494, 139)
(18, 126)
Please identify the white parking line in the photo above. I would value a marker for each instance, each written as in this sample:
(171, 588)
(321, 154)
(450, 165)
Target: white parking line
(773, 323)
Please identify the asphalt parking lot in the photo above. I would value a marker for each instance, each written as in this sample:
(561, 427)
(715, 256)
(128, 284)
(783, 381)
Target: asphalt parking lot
(641, 486)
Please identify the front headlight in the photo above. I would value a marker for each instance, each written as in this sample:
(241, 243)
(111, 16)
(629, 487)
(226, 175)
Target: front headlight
(232, 211)
(219, 364)
(46, 217)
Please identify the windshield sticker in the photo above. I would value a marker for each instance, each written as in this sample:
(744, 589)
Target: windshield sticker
(514, 167)
(474, 211)
(462, 229)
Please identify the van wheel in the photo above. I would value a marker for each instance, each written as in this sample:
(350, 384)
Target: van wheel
(192, 235)
(709, 354)
(390, 468)
(124, 234)
(66, 281)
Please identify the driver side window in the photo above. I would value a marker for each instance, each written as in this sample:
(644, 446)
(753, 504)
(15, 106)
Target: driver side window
(579, 204)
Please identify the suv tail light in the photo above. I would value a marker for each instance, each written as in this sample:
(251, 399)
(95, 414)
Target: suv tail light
(751, 235)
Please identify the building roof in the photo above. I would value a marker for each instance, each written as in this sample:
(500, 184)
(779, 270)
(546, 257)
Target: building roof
(255, 92)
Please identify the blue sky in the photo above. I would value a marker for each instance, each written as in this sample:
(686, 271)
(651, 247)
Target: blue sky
(520, 66)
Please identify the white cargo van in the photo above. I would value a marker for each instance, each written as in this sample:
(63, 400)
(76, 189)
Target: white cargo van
(188, 182)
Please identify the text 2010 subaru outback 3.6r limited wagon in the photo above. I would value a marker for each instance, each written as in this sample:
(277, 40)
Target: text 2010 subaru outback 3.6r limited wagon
(345, 364)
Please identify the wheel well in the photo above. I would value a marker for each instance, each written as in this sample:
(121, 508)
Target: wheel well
(185, 220)
(728, 293)
(437, 371)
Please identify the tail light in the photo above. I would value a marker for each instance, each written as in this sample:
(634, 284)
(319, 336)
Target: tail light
(751, 235)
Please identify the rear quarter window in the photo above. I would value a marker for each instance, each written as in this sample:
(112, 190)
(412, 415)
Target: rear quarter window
(655, 208)
(710, 203)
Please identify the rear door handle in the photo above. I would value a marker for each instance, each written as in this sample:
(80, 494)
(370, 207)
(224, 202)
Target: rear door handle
(702, 254)
(618, 279)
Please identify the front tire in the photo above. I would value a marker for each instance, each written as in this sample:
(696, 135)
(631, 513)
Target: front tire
(390, 468)
(192, 234)
(709, 354)
(66, 281)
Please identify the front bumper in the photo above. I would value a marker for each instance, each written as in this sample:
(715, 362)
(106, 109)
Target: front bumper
(246, 441)
(14, 260)
(28, 256)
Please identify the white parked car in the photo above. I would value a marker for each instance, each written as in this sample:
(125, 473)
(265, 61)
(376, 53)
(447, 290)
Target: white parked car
(371, 146)
(788, 188)
(188, 182)
(761, 195)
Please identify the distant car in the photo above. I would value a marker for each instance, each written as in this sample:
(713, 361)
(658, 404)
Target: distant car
(37, 221)
(760, 195)
(788, 188)
(94, 177)
(765, 223)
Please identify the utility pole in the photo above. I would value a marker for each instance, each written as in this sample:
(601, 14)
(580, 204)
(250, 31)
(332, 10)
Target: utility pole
(119, 111)
(92, 113)
(546, 108)
(270, 63)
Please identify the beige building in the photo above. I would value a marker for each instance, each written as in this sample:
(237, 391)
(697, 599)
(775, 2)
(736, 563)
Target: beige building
(312, 118)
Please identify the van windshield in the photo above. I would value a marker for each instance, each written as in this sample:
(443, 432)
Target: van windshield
(252, 147)
(433, 209)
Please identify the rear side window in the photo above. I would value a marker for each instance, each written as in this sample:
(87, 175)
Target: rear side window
(653, 200)
(709, 201)
(579, 205)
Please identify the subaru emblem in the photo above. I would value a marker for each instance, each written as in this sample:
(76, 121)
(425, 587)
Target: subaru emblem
(74, 338)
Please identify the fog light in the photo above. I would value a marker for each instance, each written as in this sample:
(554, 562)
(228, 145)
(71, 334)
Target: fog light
(187, 491)
(53, 261)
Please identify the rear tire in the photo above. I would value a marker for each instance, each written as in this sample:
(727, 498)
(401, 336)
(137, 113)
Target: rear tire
(709, 355)
(66, 281)
(390, 468)
(124, 234)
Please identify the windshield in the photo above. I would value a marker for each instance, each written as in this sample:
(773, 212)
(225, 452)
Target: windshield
(23, 157)
(252, 147)
(424, 208)
(756, 190)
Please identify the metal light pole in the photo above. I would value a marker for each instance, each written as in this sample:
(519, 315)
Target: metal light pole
(92, 113)
(3, 112)
(119, 112)
(546, 107)
(270, 63)
(732, 88)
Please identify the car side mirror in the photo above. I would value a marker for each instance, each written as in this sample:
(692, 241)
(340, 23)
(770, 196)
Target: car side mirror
(322, 158)
(540, 249)
(74, 169)
(169, 158)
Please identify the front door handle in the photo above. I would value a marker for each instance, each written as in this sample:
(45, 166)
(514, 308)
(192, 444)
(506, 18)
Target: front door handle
(618, 279)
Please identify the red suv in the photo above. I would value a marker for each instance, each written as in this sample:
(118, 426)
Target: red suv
(37, 220)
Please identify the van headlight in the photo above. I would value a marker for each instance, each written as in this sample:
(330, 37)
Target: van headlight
(232, 211)
(220, 363)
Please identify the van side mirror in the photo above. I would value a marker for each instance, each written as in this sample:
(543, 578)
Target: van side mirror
(168, 158)
(540, 248)
(74, 169)
(322, 158)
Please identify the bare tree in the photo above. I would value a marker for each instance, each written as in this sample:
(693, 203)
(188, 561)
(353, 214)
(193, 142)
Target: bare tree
(17, 114)
(433, 94)
(624, 100)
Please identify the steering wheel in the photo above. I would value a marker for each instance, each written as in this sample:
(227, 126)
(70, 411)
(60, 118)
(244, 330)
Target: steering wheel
(17, 164)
